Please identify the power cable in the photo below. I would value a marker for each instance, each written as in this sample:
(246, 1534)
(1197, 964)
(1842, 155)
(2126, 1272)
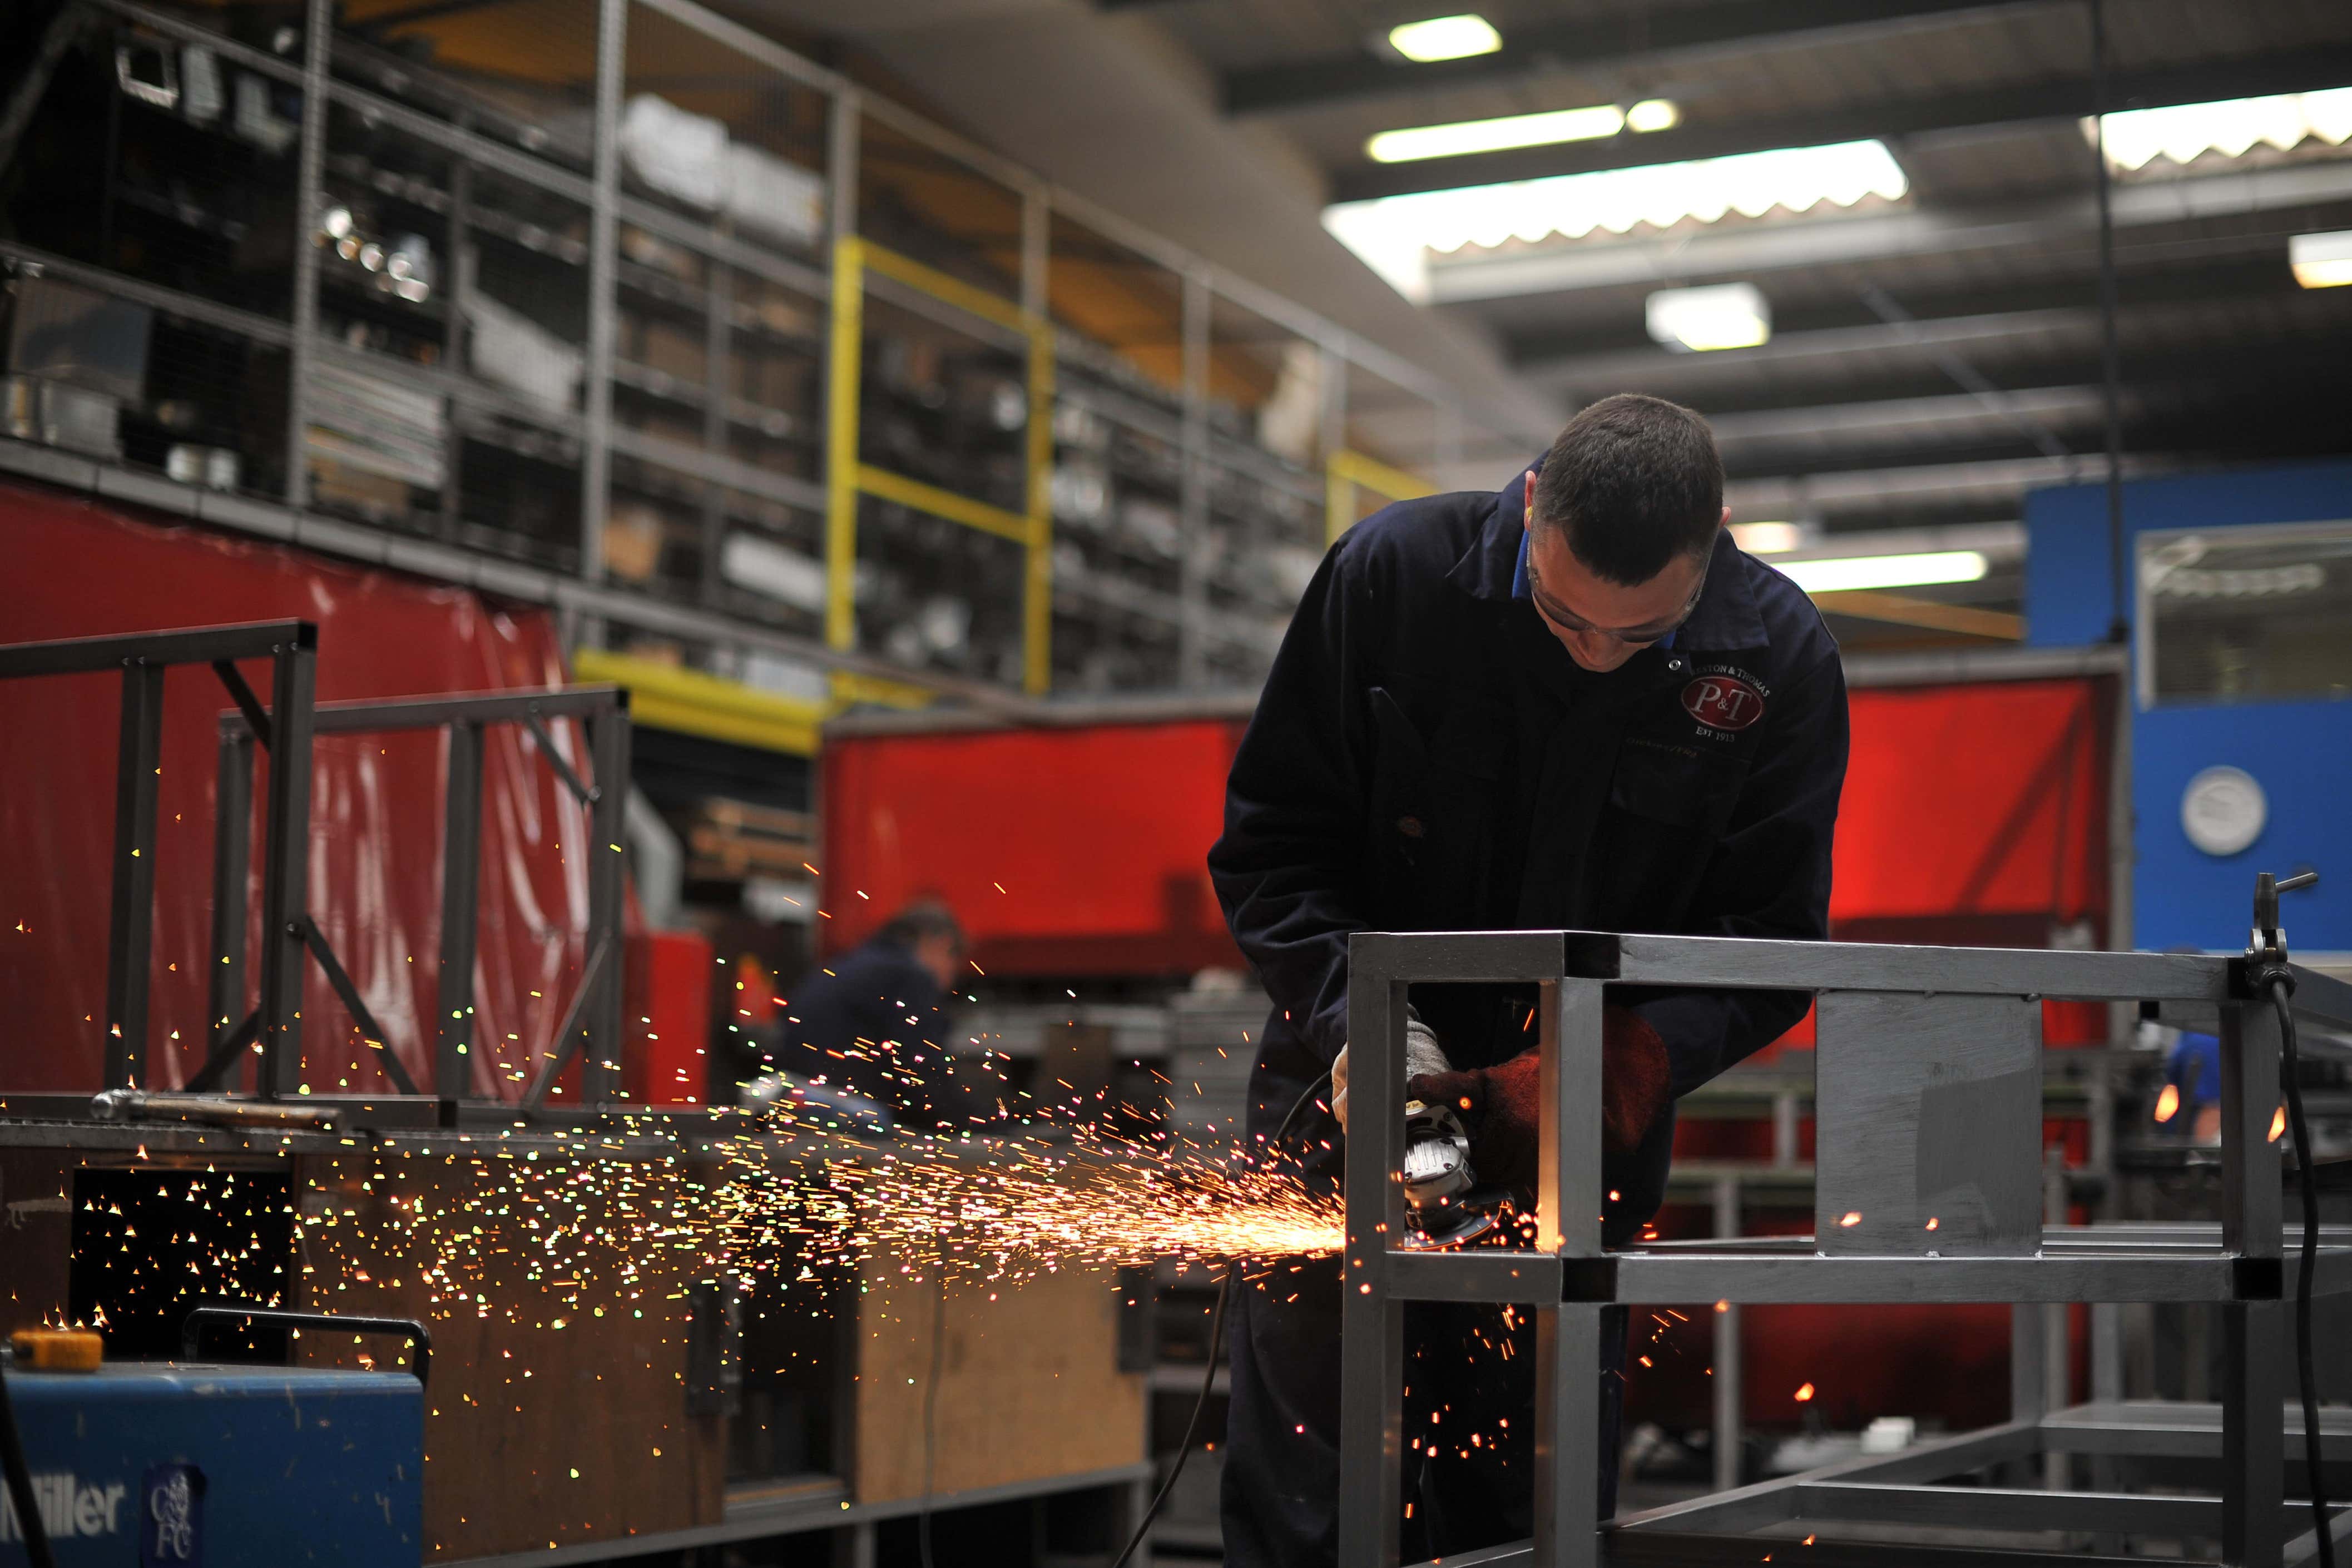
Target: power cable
(1216, 1346)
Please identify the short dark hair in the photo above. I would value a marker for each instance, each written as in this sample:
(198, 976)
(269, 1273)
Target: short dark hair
(1634, 481)
(924, 918)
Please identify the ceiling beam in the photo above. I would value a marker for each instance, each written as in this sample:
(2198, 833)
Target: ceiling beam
(1926, 417)
(2061, 98)
(1748, 249)
(1786, 349)
(1652, 34)
(1860, 489)
(1904, 610)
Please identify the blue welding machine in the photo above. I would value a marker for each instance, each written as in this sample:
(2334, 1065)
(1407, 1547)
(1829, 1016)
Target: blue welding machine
(171, 1466)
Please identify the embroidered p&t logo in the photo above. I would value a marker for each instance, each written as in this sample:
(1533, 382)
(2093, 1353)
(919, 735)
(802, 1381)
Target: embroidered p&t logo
(1723, 702)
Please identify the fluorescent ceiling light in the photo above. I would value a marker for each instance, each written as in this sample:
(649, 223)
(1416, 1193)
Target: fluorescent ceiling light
(1419, 141)
(1444, 38)
(1725, 316)
(1653, 114)
(1394, 235)
(1767, 539)
(2321, 261)
(2185, 132)
(1845, 574)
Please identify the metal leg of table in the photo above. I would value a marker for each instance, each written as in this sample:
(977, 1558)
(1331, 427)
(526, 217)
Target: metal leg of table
(2057, 1336)
(2106, 1388)
(1567, 1337)
(2253, 1441)
(2254, 1333)
(1568, 1437)
(1728, 1442)
(1138, 1503)
(1371, 1324)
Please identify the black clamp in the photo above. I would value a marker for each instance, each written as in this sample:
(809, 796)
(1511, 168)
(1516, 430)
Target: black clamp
(2265, 963)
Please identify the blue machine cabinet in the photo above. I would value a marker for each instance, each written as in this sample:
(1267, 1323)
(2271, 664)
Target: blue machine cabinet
(167, 1466)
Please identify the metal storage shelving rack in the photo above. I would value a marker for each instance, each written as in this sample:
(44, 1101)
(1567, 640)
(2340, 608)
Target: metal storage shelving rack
(1927, 1190)
(578, 389)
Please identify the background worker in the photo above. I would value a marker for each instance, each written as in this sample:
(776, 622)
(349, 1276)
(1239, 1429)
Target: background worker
(1573, 703)
(873, 1021)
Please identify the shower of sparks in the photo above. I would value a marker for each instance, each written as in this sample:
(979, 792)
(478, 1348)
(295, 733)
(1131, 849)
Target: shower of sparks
(1009, 1200)
(537, 1228)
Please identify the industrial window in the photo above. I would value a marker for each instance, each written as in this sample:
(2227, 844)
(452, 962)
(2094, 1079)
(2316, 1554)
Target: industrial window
(2238, 614)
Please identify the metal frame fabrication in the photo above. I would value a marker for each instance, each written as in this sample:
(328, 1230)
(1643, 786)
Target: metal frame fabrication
(590, 1029)
(1929, 1189)
(329, 70)
(286, 728)
(275, 1025)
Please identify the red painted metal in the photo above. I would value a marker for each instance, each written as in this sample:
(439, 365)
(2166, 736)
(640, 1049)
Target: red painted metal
(78, 568)
(668, 1018)
(1065, 851)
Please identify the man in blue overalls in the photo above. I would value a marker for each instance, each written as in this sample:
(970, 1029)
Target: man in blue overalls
(1575, 704)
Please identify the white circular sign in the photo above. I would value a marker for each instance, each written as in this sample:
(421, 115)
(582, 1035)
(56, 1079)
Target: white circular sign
(2224, 811)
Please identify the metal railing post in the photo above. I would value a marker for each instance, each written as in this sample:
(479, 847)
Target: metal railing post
(309, 163)
(1728, 1386)
(286, 865)
(1037, 563)
(2253, 1332)
(1371, 1322)
(232, 867)
(604, 282)
(130, 911)
(1568, 1334)
(601, 1076)
(461, 876)
(844, 348)
(1192, 488)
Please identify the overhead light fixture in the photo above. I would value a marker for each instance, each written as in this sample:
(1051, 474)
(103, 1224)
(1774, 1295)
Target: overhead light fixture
(1847, 574)
(1653, 114)
(1394, 235)
(2183, 133)
(1769, 538)
(1723, 315)
(1445, 39)
(2321, 261)
(1547, 129)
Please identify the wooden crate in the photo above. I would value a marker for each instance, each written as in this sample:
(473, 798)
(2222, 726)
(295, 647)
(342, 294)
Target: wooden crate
(1029, 1382)
(556, 1414)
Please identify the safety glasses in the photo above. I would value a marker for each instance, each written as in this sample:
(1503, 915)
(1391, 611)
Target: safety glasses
(1559, 615)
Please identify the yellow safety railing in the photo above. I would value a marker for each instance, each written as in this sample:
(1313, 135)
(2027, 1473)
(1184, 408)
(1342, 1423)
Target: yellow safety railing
(1344, 472)
(693, 702)
(666, 696)
(846, 478)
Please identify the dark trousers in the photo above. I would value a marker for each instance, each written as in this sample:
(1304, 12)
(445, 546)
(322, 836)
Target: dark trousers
(1471, 1366)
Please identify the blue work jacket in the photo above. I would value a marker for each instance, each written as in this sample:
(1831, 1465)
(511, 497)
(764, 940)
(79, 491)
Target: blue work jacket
(1426, 757)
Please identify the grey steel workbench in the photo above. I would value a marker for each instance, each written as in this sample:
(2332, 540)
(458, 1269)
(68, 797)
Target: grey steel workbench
(1929, 1107)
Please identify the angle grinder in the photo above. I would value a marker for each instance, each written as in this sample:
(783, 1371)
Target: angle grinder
(1445, 1206)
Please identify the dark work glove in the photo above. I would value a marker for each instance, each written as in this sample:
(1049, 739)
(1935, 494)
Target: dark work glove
(1504, 1110)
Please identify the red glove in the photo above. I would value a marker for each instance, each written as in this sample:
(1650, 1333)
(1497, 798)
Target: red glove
(1505, 1110)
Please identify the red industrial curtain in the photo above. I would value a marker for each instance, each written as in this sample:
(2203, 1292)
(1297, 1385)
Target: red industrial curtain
(74, 569)
(1065, 851)
(1974, 812)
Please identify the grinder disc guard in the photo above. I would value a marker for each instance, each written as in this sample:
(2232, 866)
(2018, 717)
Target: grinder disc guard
(1443, 1208)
